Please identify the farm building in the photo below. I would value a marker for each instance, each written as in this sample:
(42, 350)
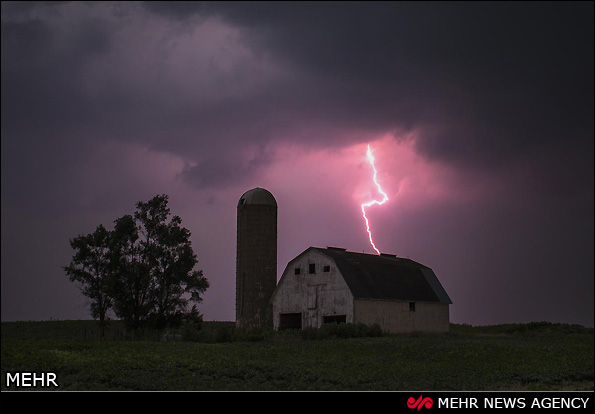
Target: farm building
(334, 285)
(256, 257)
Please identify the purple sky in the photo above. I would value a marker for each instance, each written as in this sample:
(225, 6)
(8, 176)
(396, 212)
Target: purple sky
(480, 117)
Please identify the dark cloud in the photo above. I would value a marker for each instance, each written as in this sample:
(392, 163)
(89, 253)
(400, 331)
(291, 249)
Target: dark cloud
(41, 74)
(482, 83)
(485, 81)
(232, 167)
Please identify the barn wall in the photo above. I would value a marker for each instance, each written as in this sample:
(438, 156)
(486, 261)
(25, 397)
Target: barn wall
(396, 316)
(314, 295)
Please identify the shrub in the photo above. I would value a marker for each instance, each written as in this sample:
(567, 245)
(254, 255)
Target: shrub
(256, 334)
(343, 330)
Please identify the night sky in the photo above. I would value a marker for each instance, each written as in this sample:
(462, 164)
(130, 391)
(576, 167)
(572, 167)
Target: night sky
(479, 115)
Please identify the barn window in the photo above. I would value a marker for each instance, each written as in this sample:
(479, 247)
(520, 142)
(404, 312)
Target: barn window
(327, 269)
(297, 271)
(412, 306)
(312, 268)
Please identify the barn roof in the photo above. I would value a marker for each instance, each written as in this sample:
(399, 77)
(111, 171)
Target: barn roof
(386, 277)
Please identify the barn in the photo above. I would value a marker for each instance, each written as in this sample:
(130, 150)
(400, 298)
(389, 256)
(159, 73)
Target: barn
(333, 285)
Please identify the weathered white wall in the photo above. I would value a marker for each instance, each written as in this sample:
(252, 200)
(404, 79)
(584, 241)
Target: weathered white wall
(395, 316)
(314, 295)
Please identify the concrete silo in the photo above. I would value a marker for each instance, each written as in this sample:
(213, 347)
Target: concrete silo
(256, 258)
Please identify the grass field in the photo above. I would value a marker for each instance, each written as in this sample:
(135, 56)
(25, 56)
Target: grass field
(536, 356)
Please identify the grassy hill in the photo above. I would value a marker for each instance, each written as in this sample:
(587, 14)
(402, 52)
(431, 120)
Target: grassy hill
(534, 356)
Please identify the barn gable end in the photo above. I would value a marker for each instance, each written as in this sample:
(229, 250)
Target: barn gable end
(310, 289)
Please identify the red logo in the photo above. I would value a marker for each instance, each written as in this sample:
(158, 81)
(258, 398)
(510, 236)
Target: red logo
(420, 402)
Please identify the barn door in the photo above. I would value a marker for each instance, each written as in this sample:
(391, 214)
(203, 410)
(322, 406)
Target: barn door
(290, 321)
(312, 297)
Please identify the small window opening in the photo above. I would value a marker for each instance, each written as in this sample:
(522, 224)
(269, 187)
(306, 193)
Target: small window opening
(326, 269)
(412, 306)
(312, 268)
(297, 271)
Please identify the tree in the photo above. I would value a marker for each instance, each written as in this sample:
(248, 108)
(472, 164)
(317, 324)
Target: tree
(171, 262)
(143, 269)
(90, 268)
(155, 281)
(130, 280)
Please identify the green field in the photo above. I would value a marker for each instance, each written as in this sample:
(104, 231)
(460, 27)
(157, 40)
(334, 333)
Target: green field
(536, 356)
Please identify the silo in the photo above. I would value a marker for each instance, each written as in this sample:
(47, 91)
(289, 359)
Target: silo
(256, 258)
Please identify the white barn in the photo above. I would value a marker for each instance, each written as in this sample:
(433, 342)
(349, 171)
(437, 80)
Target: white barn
(333, 285)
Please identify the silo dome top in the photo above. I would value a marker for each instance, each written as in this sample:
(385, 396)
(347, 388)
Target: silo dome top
(257, 196)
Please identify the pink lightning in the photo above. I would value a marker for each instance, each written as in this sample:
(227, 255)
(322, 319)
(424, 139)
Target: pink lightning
(368, 204)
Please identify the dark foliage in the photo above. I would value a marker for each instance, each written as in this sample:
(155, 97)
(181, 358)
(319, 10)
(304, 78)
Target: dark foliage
(143, 270)
(90, 268)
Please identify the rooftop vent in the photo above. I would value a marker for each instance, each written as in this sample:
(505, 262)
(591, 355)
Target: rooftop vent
(336, 248)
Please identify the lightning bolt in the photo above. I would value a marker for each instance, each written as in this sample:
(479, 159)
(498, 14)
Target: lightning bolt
(370, 203)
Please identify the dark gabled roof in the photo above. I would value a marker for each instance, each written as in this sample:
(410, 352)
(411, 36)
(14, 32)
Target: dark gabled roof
(386, 277)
